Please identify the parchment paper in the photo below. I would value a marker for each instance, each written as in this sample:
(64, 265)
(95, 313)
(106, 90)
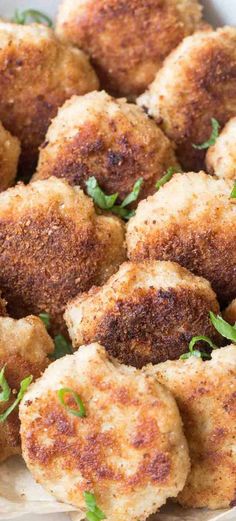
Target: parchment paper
(20, 494)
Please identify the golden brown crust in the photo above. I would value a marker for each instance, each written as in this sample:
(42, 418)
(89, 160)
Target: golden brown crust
(37, 74)
(24, 349)
(146, 313)
(206, 395)
(131, 466)
(196, 83)
(9, 155)
(112, 33)
(221, 157)
(229, 314)
(192, 221)
(96, 135)
(52, 248)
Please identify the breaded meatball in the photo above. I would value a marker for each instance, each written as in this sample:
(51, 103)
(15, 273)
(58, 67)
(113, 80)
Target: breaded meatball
(53, 246)
(221, 157)
(206, 395)
(128, 450)
(196, 83)
(127, 41)
(24, 349)
(115, 141)
(147, 312)
(229, 313)
(9, 156)
(190, 220)
(37, 74)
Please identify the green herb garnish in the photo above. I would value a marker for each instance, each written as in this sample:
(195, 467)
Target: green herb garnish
(233, 193)
(23, 388)
(77, 412)
(214, 135)
(22, 17)
(62, 347)
(223, 327)
(46, 319)
(6, 391)
(94, 513)
(196, 352)
(107, 202)
(169, 174)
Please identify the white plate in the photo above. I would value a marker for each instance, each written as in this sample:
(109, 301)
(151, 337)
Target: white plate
(217, 12)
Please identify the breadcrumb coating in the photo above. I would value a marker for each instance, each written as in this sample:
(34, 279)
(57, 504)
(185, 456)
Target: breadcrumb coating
(127, 41)
(24, 349)
(112, 140)
(190, 220)
(196, 83)
(53, 246)
(37, 74)
(145, 313)
(129, 450)
(206, 396)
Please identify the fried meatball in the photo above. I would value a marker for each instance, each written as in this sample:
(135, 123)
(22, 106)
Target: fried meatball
(147, 312)
(37, 74)
(206, 395)
(129, 449)
(190, 220)
(221, 157)
(53, 246)
(115, 141)
(9, 155)
(196, 83)
(24, 348)
(229, 313)
(127, 41)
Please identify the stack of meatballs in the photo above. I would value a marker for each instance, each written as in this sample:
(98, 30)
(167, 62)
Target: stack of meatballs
(117, 130)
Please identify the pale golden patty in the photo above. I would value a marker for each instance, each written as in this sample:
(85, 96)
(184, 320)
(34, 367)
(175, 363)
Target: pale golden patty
(37, 74)
(190, 220)
(229, 313)
(127, 41)
(129, 449)
(206, 395)
(53, 246)
(9, 156)
(115, 141)
(146, 312)
(196, 83)
(24, 349)
(221, 157)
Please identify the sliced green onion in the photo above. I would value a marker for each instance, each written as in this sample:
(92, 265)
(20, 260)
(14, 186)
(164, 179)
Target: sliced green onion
(23, 388)
(94, 513)
(77, 412)
(62, 347)
(107, 202)
(223, 327)
(233, 193)
(46, 319)
(6, 391)
(169, 174)
(124, 213)
(132, 196)
(214, 135)
(31, 14)
(196, 352)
